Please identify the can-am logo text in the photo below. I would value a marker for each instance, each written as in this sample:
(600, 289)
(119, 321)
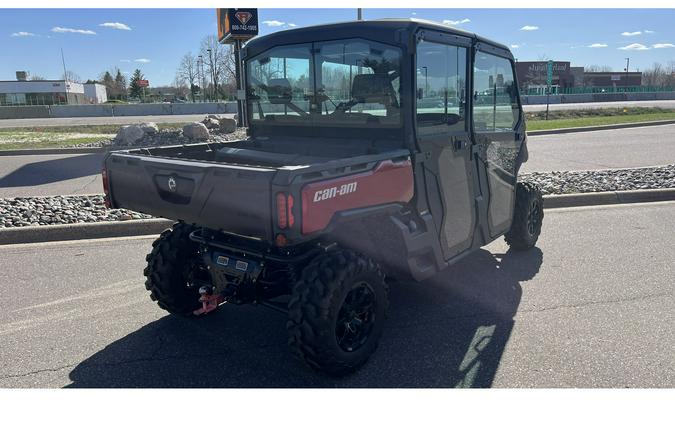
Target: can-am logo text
(243, 17)
(329, 193)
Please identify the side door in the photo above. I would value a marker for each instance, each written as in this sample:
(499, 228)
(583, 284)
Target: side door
(443, 135)
(499, 131)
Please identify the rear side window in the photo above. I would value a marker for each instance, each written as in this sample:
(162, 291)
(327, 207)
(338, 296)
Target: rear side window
(441, 78)
(495, 104)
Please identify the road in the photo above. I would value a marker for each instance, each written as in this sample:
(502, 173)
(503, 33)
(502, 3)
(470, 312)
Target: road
(118, 120)
(38, 175)
(27, 175)
(670, 104)
(617, 148)
(124, 120)
(591, 306)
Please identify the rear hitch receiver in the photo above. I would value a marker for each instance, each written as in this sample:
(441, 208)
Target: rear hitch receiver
(208, 300)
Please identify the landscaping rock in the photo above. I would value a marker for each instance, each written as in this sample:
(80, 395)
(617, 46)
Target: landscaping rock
(211, 123)
(129, 135)
(227, 125)
(196, 131)
(149, 128)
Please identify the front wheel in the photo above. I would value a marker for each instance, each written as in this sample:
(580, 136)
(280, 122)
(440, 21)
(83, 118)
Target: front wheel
(528, 216)
(337, 312)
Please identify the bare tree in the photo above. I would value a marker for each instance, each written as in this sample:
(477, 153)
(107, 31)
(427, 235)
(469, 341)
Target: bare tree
(656, 76)
(597, 68)
(188, 73)
(219, 61)
(71, 76)
(36, 78)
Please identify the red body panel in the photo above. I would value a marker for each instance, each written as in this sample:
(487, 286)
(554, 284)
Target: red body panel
(389, 182)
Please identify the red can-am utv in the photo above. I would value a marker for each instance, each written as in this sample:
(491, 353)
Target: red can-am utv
(374, 148)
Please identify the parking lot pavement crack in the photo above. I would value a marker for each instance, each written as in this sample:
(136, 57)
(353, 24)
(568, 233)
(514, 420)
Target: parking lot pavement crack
(38, 371)
(85, 185)
(597, 302)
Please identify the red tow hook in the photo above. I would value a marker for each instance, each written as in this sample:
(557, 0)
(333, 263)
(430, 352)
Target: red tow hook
(208, 300)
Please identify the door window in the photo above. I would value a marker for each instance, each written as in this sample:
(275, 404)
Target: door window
(495, 105)
(441, 78)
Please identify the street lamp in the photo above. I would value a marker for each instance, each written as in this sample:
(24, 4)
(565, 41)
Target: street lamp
(212, 72)
(200, 69)
(626, 69)
(426, 81)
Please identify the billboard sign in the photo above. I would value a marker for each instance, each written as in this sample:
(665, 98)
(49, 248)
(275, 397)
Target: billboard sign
(616, 77)
(236, 24)
(143, 83)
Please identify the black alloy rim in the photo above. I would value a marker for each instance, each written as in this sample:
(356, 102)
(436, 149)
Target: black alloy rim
(356, 318)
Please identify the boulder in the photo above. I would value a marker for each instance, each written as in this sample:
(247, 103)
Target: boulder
(227, 125)
(211, 123)
(129, 135)
(214, 116)
(196, 131)
(149, 128)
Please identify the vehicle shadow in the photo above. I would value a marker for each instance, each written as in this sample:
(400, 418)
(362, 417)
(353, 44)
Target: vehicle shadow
(450, 331)
(54, 170)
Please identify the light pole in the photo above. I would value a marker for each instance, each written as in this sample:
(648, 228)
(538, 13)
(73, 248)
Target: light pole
(212, 73)
(626, 69)
(200, 67)
(359, 14)
(426, 81)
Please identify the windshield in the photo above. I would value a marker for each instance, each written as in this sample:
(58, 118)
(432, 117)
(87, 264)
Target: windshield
(338, 83)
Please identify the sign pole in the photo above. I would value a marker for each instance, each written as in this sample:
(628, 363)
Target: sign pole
(549, 81)
(237, 76)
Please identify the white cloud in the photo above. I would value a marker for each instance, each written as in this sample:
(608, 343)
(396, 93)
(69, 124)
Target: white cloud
(631, 34)
(75, 31)
(597, 45)
(414, 13)
(647, 31)
(456, 23)
(273, 23)
(23, 34)
(529, 28)
(665, 45)
(292, 25)
(515, 46)
(143, 60)
(634, 46)
(116, 25)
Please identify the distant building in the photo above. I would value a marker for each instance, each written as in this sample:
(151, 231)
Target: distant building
(532, 76)
(50, 92)
(612, 79)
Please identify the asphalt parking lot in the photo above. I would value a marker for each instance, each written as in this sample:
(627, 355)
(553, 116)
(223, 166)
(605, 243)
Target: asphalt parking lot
(590, 306)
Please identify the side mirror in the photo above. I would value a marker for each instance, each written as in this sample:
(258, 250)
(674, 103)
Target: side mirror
(420, 93)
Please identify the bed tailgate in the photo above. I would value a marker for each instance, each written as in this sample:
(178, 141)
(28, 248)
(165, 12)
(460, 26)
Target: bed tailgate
(223, 197)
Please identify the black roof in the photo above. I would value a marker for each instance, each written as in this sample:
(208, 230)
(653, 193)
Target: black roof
(384, 30)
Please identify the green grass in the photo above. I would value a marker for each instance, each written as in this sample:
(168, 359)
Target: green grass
(561, 123)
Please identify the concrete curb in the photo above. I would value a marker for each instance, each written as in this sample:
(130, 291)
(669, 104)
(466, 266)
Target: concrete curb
(595, 128)
(53, 151)
(34, 234)
(608, 198)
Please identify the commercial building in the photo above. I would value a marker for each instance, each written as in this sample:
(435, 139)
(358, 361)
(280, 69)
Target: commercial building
(532, 77)
(612, 79)
(49, 92)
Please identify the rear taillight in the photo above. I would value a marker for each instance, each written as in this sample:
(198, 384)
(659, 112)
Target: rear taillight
(106, 188)
(285, 218)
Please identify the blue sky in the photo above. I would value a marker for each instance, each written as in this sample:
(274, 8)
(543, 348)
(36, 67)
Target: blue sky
(157, 38)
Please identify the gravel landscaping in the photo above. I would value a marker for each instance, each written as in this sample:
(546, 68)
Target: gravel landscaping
(38, 211)
(562, 182)
(163, 138)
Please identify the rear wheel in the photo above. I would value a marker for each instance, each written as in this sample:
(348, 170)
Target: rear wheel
(337, 312)
(173, 265)
(528, 216)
